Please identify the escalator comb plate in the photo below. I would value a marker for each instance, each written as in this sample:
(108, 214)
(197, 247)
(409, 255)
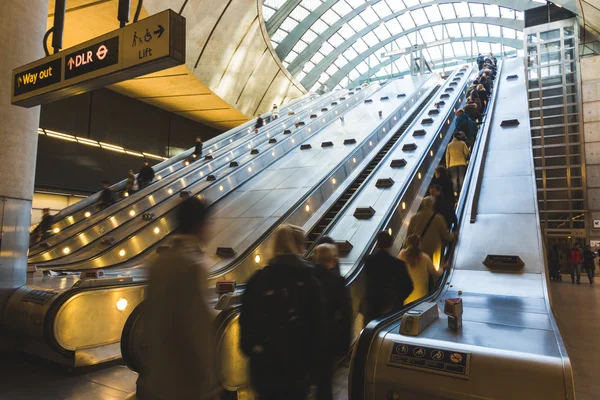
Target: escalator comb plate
(305, 147)
(384, 183)
(399, 163)
(409, 147)
(327, 144)
(510, 122)
(349, 141)
(364, 212)
(419, 132)
(226, 252)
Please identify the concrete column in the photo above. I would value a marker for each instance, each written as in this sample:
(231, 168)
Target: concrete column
(22, 27)
(590, 92)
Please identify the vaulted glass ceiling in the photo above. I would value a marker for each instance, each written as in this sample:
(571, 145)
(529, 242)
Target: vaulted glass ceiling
(340, 42)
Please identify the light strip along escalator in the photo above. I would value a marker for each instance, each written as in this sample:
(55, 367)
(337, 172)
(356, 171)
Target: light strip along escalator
(315, 233)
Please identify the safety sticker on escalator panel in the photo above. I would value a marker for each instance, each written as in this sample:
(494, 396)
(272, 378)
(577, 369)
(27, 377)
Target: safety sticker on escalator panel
(439, 361)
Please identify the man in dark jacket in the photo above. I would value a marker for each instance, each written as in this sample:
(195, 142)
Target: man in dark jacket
(107, 196)
(145, 176)
(480, 59)
(442, 206)
(259, 123)
(198, 148)
(338, 316)
(44, 229)
(388, 283)
(575, 259)
(588, 263)
(282, 323)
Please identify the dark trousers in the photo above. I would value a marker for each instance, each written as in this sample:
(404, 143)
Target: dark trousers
(143, 184)
(325, 383)
(590, 273)
(290, 394)
(575, 269)
(458, 176)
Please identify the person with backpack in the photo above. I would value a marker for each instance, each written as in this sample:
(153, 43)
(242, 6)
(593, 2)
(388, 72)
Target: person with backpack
(388, 283)
(420, 268)
(588, 263)
(575, 259)
(282, 322)
(338, 316)
(554, 261)
(107, 197)
(442, 179)
(198, 148)
(442, 206)
(431, 229)
(145, 176)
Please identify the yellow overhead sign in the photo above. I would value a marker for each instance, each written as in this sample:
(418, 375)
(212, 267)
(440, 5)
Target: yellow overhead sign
(146, 46)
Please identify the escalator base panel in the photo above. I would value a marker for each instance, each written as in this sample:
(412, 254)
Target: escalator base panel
(510, 122)
(409, 147)
(364, 212)
(384, 183)
(420, 132)
(327, 144)
(398, 163)
(349, 141)
(305, 147)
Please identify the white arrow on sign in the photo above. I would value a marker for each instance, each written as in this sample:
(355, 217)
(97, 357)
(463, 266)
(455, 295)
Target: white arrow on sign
(101, 53)
(71, 62)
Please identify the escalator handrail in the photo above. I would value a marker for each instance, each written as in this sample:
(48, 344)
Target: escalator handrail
(356, 390)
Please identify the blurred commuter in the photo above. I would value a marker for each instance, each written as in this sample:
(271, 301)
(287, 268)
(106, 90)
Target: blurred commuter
(107, 197)
(145, 176)
(472, 111)
(480, 60)
(486, 84)
(329, 240)
(420, 268)
(443, 179)
(44, 229)
(260, 122)
(442, 206)
(132, 185)
(457, 156)
(431, 229)
(274, 112)
(588, 263)
(483, 97)
(338, 316)
(555, 258)
(180, 359)
(388, 283)
(198, 148)
(474, 97)
(575, 259)
(462, 123)
(282, 322)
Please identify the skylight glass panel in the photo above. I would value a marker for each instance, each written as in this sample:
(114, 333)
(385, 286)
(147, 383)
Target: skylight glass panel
(507, 13)
(300, 75)
(268, 13)
(299, 13)
(477, 10)
(433, 13)
(335, 40)
(310, 5)
(346, 31)
(435, 53)
(448, 50)
(285, 63)
(274, 3)
(358, 23)
(309, 36)
(360, 46)
(401, 64)
(447, 11)
(353, 74)
(411, 3)
(373, 60)
(274, 44)
(332, 69)
(492, 10)
(330, 17)
(291, 56)
(494, 30)
(300, 45)
(427, 34)
(355, 3)
(419, 17)
(466, 30)
(453, 30)
(396, 5)
(382, 32)
(382, 9)
(326, 48)
(342, 8)
(480, 29)
(324, 77)
(406, 21)
(509, 33)
(496, 48)
(317, 57)
(462, 10)
(519, 35)
(279, 35)
(341, 61)
(308, 66)
(438, 32)
(350, 53)
(519, 15)
(484, 48)
(315, 87)
(369, 16)
(289, 24)
(459, 49)
(319, 26)
(403, 42)
(362, 67)
(393, 26)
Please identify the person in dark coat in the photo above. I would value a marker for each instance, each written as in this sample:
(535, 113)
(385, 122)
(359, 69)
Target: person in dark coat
(480, 59)
(472, 110)
(329, 240)
(588, 263)
(442, 206)
(486, 84)
(44, 229)
(145, 176)
(107, 197)
(338, 316)
(198, 148)
(282, 322)
(259, 123)
(442, 179)
(388, 283)
(555, 259)
(483, 97)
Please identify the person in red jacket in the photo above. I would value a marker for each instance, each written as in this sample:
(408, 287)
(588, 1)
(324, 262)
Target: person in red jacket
(575, 259)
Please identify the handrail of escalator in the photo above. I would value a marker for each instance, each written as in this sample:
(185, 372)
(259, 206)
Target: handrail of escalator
(164, 164)
(356, 389)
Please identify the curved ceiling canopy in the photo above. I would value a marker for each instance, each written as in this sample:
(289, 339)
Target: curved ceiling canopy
(339, 42)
